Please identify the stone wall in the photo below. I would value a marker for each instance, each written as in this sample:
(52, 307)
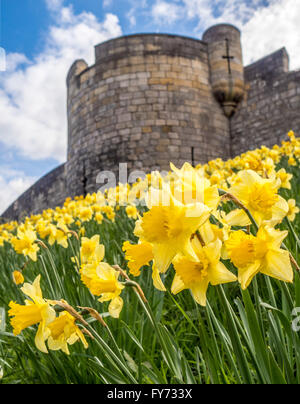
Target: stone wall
(48, 192)
(271, 106)
(146, 101)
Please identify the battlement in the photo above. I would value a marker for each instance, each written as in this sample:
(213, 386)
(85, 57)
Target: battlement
(273, 65)
(144, 45)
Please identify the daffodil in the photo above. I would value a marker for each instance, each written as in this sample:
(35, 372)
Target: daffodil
(293, 210)
(192, 187)
(5, 236)
(137, 256)
(63, 332)
(169, 228)
(102, 280)
(99, 217)
(35, 311)
(132, 212)
(196, 275)
(110, 212)
(285, 178)
(18, 278)
(100, 277)
(292, 161)
(59, 235)
(260, 196)
(85, 213)
(25, 243)
(260, 253)
(91, 250)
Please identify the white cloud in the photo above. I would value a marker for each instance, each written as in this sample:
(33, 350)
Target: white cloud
(54, 5)
(210, 12)
(33, 93)
(12, 183)
(13, 60)
(131, 17)
(164, 12)
(265, 28)
(138, 9)
(107, 3)
(270, 29)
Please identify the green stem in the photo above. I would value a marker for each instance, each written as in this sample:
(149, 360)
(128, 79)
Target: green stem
(115, 343)
(152, 319)
(238, 203)
(258, 306)
(48, 278)
(110, 354)
(293, 232)
(235, 339)
(54, 270)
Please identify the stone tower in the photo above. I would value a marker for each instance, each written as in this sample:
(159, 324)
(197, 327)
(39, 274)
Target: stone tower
(148, 100)
(226, 65)
(154, 98)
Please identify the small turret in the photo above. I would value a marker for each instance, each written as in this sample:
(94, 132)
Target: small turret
(226, 65)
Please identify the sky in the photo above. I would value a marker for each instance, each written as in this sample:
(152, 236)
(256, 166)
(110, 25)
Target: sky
(40, 39)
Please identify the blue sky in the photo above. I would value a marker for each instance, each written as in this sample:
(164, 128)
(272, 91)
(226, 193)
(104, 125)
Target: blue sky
(41, 38)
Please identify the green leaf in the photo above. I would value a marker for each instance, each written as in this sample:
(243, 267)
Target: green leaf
(260, 347)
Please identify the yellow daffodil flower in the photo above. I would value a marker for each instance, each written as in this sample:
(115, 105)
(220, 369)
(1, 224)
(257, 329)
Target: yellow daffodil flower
(132, 212)
(197, 275)
(64, 332)
(25, 243)
(169, 228)
(285, 178)
(192, 187)
(102, 280)
(260, 253)
(260, 196)
(18, 278)
(35, 311)
(293, 210)
(91, 250)
(137, 256)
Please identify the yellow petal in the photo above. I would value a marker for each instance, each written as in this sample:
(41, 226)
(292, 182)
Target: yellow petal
(238, 217)
(115, 307)
(163, 255)
(279, 210)
(207, 233)
(220, 274)
(157, 282)
(34, 290)
(199, 291)
(247, 273)
(54, 344)
(278, 265)
(138, 255)
(41, 336)
(177, 285)
(82, 338)
(213, 251)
